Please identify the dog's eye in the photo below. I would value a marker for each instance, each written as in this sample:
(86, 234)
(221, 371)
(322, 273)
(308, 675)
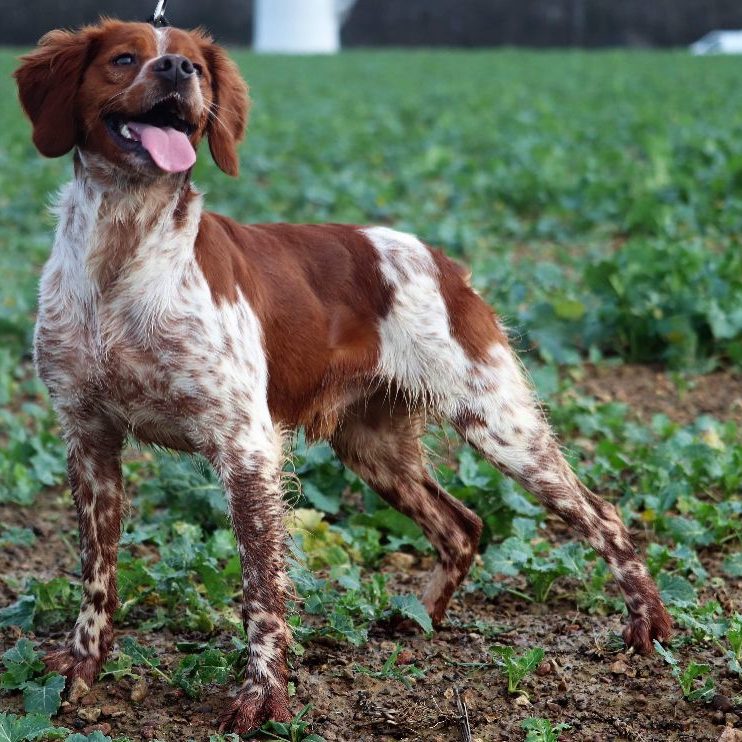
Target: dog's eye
(123, 60)
(199, 69)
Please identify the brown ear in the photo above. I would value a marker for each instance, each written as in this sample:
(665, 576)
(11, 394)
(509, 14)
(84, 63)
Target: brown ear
(48, 79)
(229, 109)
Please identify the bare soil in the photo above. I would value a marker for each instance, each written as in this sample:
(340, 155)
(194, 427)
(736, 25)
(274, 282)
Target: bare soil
(603, 695)
(649, 391)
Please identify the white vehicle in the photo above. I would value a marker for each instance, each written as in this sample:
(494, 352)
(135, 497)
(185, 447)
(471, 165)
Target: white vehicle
(299, 26)
(719, 42)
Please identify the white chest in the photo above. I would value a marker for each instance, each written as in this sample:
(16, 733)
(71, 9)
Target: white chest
(147, 345)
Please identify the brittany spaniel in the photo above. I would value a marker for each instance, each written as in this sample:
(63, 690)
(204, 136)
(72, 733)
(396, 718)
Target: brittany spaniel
(179, 327)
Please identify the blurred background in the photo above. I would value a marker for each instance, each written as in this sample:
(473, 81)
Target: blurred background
(536, 23)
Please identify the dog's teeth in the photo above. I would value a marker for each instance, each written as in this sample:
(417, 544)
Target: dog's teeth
(125, 132)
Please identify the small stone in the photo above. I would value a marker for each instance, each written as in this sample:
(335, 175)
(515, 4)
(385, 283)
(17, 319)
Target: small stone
(522, 701)
(619, 667)
(89, 714)
(731, 735)
(148, 732)
(112, 711)
(139, 691)
(103, 728)
(65, 707)
(78, 689)
(718, 718)
(544, 668)
(89, 699)
(405, 657)
(399, 560)
(721, 703)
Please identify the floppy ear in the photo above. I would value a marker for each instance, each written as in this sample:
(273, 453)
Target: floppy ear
(48, 79)
(229, 109)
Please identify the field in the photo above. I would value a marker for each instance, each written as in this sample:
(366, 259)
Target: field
(598, 199)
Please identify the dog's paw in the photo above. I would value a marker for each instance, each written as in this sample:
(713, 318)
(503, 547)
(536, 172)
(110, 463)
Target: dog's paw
(641, 631)
(67, 663)
(249, 711)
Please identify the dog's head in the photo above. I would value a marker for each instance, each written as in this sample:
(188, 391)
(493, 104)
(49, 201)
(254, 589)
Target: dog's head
(139, 97)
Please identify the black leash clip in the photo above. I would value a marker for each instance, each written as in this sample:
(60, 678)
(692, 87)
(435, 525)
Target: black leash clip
(158, 19)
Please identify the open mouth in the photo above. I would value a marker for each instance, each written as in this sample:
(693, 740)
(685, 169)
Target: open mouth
(160, 134)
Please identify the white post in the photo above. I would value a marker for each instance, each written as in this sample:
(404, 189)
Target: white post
(299, 26)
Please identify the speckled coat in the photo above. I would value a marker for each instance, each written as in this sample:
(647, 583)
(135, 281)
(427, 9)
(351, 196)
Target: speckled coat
(169, 324)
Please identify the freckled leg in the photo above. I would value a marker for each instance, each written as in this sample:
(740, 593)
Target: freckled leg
(381, 443)
(249, 465)
(501, 420)
(94, 470)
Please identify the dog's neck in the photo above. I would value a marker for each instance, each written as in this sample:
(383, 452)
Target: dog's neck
(125, 198)
(106, 218)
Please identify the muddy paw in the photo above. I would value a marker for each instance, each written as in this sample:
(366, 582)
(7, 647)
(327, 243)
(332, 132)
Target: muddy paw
(641, 631)
(249, 711)
(65, 662)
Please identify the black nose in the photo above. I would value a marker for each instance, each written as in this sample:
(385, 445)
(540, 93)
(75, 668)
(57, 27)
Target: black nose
(174, 68)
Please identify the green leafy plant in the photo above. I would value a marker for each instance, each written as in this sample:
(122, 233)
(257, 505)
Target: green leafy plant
(392, 670)
(43, 605)
(542, 730)
(687, 677)
(24, 670)
(296, 730)
(516, 667)
(204, 666)
(30, 727)
(197, 670)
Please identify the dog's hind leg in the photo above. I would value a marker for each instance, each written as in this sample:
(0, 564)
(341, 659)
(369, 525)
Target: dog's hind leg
(499, 416)
(94, 469)
(442, 343)
(380, 441)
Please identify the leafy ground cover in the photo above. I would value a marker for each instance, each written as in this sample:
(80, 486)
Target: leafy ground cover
(597, 198)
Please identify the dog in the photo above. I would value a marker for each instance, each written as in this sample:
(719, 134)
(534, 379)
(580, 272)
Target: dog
(179, 327)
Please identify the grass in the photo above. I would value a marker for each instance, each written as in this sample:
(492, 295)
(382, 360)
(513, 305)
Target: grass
(597, 198)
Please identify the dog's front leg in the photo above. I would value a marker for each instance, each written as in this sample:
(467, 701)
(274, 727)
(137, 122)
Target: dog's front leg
(249, 464)
(94, 470)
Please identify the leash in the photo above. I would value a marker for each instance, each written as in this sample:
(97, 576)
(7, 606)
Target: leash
(158, 19)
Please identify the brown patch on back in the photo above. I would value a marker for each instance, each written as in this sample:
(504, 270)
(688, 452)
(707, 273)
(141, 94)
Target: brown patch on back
(319, 296)
(473, 322)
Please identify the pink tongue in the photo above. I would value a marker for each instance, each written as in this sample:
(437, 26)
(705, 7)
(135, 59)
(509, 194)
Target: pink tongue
(169, 148)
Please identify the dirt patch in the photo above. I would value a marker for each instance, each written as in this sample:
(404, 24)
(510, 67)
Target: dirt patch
(602, 694)
(652, 390)
(581, 686)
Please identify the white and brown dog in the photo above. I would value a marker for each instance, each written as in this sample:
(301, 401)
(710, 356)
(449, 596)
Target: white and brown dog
(180, 327)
